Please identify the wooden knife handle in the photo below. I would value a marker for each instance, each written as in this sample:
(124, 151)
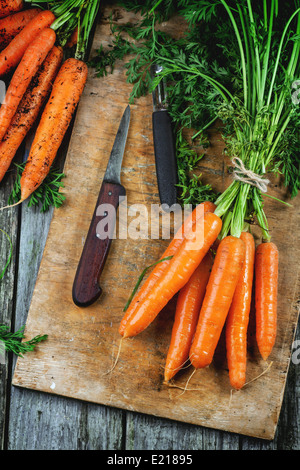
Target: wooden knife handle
(86, 288)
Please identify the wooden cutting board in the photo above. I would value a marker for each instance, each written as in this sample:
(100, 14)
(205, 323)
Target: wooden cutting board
(82, 344)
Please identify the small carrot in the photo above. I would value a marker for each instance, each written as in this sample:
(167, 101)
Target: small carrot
(186, 316)
(266, 284)
(238, 317)
(73, 38)
(56, 117)
(13, 53)
(10, 6)
(219, 293)
(34, 56)
(13, 25)
(184, 262)
(29, 108)
(160, 268)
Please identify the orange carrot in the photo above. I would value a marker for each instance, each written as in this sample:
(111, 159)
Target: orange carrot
(10, 6)
(266, 283)
(73, 38)
(29, 108)
(184, 262)
(219, 293)
(13, 25)
(238, 317)
(160, 268)
(34, 55)
(59, 110)
(13, 53)
(186, 316)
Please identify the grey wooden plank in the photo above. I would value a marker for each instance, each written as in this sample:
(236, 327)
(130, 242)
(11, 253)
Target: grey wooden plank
(149, 433)
(48, 422)
(9, 223)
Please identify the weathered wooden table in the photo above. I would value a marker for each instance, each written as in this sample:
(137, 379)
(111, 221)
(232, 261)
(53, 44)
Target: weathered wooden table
(31, 420)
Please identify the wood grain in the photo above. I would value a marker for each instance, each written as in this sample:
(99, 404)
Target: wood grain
(8, 223)
(83, 343)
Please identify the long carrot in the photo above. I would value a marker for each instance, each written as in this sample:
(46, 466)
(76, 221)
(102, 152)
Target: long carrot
(186, 316)
(56, 117)
(34, 56)
(10, 6)
(13, 53)
(184, 262)
(219, 293)
(238, 317)
(266, 284)
(29, 108)
(13, 25)
(160, 268)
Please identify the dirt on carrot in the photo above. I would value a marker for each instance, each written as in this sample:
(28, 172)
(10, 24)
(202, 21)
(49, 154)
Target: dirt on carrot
(13, 25)
(13, 53)
(56, 117)
(7, 7)
(29, 108)
(34, 56)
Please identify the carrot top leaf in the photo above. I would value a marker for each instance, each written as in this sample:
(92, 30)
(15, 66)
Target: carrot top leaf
(47, 195)
(12, 341)
(9, 256)
(69, 15)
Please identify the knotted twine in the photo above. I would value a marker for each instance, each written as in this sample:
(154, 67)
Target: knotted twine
(241, 173)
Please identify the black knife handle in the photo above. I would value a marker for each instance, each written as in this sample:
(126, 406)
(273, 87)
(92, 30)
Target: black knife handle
(165, 157)
(86, 288)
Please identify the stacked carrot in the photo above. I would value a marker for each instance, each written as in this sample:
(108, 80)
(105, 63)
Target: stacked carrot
(213, 294)
(12, 25)
(30, 56)
(10, 6)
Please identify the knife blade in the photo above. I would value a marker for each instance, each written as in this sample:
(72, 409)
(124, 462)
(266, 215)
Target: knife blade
(164, 147)
(86, 289)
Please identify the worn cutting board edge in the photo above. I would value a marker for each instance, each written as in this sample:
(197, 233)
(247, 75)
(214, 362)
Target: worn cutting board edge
(141, 188)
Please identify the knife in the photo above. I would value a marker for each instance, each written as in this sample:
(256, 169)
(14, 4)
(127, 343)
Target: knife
(164, 147)
(86, 288)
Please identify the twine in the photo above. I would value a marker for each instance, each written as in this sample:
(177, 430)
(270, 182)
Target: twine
(240, 173)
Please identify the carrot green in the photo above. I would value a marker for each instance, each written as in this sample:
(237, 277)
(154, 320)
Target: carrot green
(238, 65)
(69, 15)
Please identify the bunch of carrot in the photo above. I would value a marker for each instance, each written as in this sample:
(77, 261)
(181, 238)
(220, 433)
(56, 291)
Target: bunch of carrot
(40, 86)
(214, 292)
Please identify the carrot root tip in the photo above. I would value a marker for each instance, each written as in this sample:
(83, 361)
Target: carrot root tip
(12, 205)
(116, 360)
(260, 375)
